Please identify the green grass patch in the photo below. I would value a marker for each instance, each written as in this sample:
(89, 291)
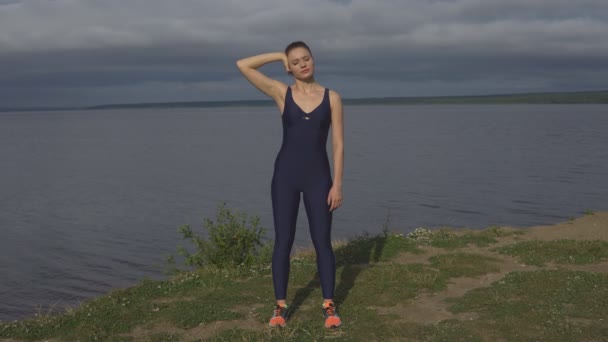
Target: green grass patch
(542, 305)
(388, 284)
(558, 251)
(447, 330)
(463, 264)
(191, 313)
(452, 239)
(96, 319)
(163, 337)
(365, 249)
(193, 298)
(363, 323)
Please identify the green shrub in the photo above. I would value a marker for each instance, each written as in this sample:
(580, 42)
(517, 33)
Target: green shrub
(231, 242)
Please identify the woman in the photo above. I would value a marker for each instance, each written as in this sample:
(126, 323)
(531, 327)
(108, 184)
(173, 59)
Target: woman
(302, 166)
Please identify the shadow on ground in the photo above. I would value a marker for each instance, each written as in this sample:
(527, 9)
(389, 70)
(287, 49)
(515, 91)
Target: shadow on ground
(353, 258)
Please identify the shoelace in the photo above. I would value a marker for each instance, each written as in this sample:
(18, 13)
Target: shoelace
(330, 310)
(278, 309)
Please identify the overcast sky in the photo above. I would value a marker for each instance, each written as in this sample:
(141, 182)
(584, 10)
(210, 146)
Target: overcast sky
(88, 52)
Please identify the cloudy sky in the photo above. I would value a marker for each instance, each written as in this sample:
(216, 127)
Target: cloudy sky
(88, 52)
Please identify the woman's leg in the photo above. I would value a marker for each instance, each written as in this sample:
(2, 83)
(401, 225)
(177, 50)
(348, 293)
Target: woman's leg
(285, 204)
(320, 219)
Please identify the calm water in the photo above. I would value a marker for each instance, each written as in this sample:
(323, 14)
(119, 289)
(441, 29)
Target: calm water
(91, 200)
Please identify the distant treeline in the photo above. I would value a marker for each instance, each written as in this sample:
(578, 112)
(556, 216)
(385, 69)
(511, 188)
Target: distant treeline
(580, 97)
(532, 98)
(584, 97)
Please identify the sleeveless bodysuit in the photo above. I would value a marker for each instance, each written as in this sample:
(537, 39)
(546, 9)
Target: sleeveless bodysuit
(302, 166)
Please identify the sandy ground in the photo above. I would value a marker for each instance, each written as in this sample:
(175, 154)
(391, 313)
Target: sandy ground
(588, 227)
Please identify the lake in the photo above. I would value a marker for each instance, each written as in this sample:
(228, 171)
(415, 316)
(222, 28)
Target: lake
(91, 200)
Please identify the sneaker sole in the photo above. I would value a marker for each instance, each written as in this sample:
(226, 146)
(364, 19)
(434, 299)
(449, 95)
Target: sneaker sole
(281, 325)
(333, 326)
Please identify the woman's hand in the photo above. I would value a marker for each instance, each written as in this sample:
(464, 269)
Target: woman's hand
(334, 198)
(286, 63)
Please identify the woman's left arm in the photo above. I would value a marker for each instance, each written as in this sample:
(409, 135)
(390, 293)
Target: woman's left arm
(334, 199)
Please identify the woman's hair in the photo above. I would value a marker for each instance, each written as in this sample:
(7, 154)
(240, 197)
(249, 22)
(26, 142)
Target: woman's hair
(297, 45)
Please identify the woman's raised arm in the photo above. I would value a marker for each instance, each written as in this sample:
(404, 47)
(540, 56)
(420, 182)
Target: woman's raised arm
(248, 67)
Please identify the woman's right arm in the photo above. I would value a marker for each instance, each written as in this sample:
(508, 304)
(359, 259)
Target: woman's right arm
(248, 67)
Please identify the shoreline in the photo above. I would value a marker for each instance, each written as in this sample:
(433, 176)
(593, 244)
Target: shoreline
(491, 256)
(569, 97)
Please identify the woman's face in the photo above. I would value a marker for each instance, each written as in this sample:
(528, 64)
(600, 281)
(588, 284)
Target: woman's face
(301, 63)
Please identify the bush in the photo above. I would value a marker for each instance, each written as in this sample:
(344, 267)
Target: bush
(231, 243)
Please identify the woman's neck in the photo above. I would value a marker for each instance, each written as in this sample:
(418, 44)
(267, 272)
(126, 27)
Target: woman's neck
(307, 85)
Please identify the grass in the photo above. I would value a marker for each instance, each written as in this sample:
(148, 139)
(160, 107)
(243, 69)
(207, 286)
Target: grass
(558, 251)
(455, 265)
(542, 306)
(447, 330)
(375, 283)
(448, 238)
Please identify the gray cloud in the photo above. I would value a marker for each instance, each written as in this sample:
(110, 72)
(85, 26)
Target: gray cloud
(69, 52)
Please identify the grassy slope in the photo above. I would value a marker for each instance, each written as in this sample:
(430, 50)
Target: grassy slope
(430, 286)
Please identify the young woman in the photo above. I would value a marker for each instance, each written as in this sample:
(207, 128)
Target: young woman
(308, 110)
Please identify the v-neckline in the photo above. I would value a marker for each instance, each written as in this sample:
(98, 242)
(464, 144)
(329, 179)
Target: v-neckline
(300, 108)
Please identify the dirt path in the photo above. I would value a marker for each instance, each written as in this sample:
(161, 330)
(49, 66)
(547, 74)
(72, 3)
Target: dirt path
(431, 307)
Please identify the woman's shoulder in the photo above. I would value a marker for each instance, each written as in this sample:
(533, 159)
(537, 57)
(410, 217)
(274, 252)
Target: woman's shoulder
(334, 96)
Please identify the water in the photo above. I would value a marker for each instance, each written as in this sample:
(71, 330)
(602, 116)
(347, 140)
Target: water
(91, 200)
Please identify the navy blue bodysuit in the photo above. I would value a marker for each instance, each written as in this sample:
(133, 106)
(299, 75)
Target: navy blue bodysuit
(302, 166)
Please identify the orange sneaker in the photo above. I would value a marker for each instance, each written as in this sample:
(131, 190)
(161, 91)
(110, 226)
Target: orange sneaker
(332, 320)
(279, 316)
